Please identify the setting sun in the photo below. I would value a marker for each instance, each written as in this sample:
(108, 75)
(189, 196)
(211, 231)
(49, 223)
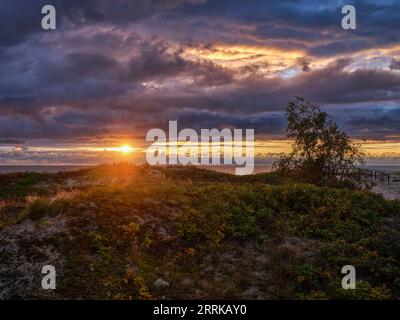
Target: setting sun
(126, 149)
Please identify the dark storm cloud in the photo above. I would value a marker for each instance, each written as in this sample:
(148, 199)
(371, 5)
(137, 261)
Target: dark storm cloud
(308, 22)
(395, 64)
(264, 123)
(332, 84)
(314, 24)
(154, 60)
(11, 141)
(377, 125)
(335, 84)
(120, 66)
(119, 11)
(20, 18)
(78, 65)
(305, 64)
(243, 100)
(23, 127)
(81, 79)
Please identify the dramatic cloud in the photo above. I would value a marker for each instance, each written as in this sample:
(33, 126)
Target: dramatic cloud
(119, 68)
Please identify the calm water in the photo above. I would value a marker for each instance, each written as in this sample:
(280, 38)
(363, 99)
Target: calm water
(384, 168)
(225, 169)
(40, 169)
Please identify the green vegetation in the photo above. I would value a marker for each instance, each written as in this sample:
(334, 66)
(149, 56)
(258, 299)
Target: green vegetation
(209, 235)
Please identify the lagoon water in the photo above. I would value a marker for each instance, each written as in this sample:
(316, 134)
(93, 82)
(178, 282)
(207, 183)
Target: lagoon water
(39, 168)
(226, 169)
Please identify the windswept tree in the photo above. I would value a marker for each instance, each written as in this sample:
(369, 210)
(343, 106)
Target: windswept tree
(322, 153)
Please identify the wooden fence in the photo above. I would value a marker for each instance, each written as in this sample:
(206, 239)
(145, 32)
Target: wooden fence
(370, 174)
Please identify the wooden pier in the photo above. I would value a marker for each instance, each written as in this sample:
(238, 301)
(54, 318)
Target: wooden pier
(376, 175)
(381, 176)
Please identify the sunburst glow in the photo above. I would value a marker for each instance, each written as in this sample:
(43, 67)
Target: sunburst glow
(126, 149)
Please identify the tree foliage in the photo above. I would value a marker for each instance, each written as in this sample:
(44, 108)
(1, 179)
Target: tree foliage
(322, 153)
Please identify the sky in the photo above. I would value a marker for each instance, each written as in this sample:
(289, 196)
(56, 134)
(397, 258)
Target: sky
(114, 69)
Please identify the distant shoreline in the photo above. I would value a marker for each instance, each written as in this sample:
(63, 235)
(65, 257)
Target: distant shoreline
(54, 168)
(41, 168)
